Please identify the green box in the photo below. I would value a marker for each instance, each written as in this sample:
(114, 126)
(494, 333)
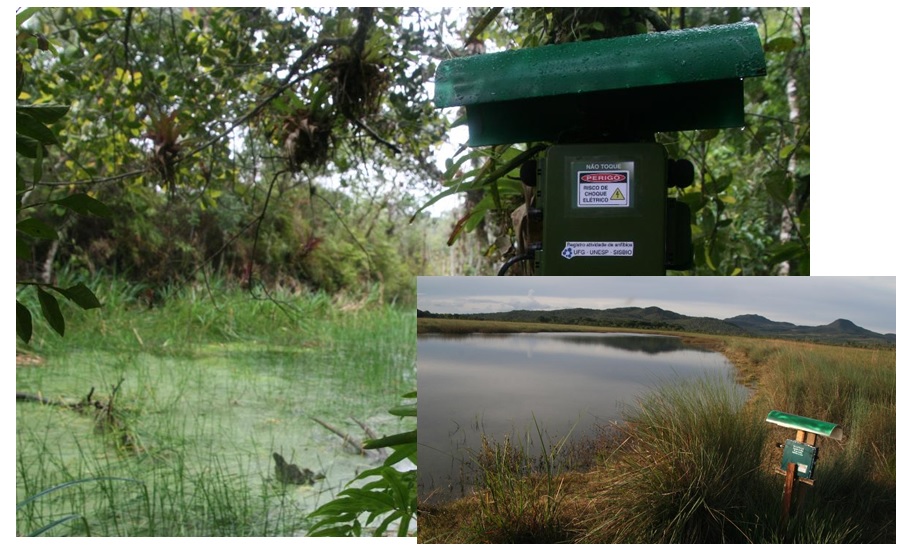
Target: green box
(803, 455)
(604, 210)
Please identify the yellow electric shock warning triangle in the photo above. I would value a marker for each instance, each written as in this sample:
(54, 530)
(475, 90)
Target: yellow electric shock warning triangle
(617, 195)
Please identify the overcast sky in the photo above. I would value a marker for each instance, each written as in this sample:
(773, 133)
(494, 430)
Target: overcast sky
(869, 302)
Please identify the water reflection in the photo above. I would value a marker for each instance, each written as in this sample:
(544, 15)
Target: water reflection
(501, 383)
(649, 344)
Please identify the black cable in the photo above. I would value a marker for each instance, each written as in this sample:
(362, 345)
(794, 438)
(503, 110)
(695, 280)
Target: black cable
(514, 260)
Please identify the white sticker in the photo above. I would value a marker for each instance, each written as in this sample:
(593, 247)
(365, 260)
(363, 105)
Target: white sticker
(598, 249)
(603, 188)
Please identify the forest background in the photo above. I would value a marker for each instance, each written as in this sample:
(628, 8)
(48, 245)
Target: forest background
(301, 148)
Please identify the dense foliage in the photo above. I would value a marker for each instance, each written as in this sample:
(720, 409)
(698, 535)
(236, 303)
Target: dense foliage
(275, 144)
(295, 146)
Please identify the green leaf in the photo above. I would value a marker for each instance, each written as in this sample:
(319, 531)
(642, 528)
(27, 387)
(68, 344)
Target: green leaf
(778, 185)
(785, 252)
(708, 254)
(46, 528)
(51, 312)
(23, 247)
(81, 295)
(408, 451)
(25, 14)
(45, 113)
(432, 200)
(82, 204)
(21, 185)
(805, 221)
(37, 229)
(23, 322)
(694, 200)
(37, 169)
(780, 45)
(26, 146)
(32, 128)
(391, 440)
(722, 183)
(787, 150)
(461, 120)
(404, 410)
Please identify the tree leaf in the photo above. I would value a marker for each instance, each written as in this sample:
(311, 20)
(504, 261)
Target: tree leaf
(694, 200)
(780, 45)
(25, 14)
(21, 186)
(778, 185)
(51, 312)
(23, 322)
(32, 128)
(81, 295)
(785, 252)
(37, 169)
(23, 247)
(787, 150)
(26, 146)
(83, 204)
(45, 113)
(37, 229)
(722, 182)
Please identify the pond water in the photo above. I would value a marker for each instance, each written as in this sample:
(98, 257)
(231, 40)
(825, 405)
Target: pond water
(498, 385)
(205, 427)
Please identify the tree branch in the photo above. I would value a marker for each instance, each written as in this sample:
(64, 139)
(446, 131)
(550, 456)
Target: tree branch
(653, 17)
(392, 147)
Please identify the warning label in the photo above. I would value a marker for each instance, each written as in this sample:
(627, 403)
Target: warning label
(598, 249)
(603, 188)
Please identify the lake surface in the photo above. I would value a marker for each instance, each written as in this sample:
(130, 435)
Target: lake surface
(502, 384)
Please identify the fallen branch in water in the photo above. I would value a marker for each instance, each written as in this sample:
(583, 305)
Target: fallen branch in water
(107, 417)
(353, 442)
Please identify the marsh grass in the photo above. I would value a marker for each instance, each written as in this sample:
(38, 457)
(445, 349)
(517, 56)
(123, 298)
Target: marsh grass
(688, 470)
(693, 462)
(208, 389)
(521, 496)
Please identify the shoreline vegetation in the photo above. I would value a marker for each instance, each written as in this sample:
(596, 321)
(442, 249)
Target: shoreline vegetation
(692, 462)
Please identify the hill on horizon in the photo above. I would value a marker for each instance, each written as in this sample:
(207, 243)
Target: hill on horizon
(839, 331)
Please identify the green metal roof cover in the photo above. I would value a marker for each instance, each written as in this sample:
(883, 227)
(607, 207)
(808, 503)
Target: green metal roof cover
(660, 58)
(803, 423)
(584, 86)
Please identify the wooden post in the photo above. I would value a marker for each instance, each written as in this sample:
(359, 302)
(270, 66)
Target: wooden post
(809, 438)
(788, 494)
